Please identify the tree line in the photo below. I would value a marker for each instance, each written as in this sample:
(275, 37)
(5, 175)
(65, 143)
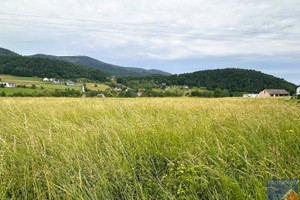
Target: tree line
(233, 80)
(42, 67)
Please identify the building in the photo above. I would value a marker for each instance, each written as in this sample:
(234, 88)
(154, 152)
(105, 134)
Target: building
(8, 84)
(185, 86)
(118, 89)
(56, 81)
(298, 91)
(251, 95)
(45, 79)
(139, 94)
(273, 93)
(70, 83)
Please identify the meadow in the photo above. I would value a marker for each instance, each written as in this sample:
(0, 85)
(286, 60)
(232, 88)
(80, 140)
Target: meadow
(146, 148)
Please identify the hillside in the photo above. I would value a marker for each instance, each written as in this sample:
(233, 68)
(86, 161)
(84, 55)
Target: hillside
(235, 80)
(109, 68)
(41, 67)
(6, 52)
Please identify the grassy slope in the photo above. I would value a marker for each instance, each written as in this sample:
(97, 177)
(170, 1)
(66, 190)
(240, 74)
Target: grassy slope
(146, 148)
(28, 81)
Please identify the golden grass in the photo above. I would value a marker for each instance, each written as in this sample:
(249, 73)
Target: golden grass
(146, 148)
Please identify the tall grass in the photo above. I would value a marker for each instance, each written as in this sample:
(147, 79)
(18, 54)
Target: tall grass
(146, 148)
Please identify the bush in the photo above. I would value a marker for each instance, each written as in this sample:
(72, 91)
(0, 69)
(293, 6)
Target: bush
(3, 94)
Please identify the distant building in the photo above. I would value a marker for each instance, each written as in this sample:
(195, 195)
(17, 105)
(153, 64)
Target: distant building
(298, 91)
(70, 83)
(185, 86)
(118, 89)
(8, 84)
(273, 93)
(56, 81)
(45, 79)
(139, 94)
(251, 95)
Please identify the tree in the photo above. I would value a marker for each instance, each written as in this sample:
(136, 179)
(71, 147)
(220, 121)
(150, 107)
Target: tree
(218, 92)
(3, 94)
(33, 86)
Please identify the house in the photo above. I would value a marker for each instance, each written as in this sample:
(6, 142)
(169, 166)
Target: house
(118, 89)
(251, 95)
(8, 84)
(56, 81)
(45, 79)
(139, 94)
(290, 195)
(185, 87)
(298, 91)
(70, 83)
(273, 93)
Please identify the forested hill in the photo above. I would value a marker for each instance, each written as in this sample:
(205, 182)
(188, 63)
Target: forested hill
(234, 80)
(6, 52)
(109, 68)
(42, 67)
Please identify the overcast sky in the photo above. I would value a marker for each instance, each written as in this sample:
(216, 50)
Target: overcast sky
(172, 35)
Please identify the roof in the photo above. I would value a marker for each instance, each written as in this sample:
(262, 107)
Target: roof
(276, 91)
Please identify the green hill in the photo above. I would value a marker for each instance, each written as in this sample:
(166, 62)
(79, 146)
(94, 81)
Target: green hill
(109, 68)
(6, 52)
(41, 67)
(234, 80)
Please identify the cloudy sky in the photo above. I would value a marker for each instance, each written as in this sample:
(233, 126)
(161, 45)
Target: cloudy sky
(172, 35)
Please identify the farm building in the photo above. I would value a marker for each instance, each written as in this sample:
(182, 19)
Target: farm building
(45, 79)
(273, 93)
(251, 95)
(298, 91)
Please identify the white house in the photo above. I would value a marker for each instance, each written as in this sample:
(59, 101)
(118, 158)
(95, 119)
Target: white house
(45, 79)
(185, 86)
(298, 91)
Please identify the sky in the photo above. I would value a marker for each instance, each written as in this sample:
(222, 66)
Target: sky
(171, 35)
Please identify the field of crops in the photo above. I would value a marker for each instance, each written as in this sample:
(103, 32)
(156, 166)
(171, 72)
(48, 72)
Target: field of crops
(146, 148)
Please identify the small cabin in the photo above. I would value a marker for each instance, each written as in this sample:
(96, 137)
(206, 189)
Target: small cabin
(273, 93)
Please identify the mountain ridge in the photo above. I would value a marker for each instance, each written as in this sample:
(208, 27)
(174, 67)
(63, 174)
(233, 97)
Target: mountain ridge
(114, 70)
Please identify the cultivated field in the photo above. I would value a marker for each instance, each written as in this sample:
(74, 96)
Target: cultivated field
(146, 148)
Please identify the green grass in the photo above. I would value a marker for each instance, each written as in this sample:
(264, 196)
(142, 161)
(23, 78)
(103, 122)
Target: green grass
(146, 148)
(10, 91)
(28, 81)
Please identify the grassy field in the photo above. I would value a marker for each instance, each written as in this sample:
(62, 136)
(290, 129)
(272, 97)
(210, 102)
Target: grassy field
(28, 81)
(146, 148)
